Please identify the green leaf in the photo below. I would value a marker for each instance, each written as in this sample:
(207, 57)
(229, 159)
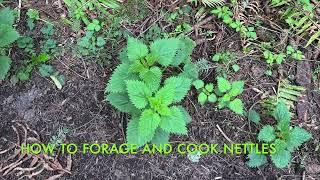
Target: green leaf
(267, 134)
(209, 87)
(6, 17)
(123, 55)
(165, 50)
(152, 78)
(202, 98)
(223, 84)
(136, 49)
(236, 106)
(185, 49)
(138, 93)
(254, 116)
(181, 87)
(190, 71)
(236, 88)
(281, 113)
(175, 122)
(256, 160)
(235, 67)
(5, 63)
(133, 134)
(212, 98)
(186, 115)
(148, 123)
(198, 84)
(7, 35)
(117, 82)
(46, 70)
(281, 158)
(297, 137)
(160, 138)
(121, 102)
(166, 94)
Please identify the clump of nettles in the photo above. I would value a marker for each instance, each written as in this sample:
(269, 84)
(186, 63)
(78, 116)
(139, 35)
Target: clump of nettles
(137, 87)
(285, 138)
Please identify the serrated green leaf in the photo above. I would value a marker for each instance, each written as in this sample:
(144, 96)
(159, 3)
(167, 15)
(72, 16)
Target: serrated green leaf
(46, 70)
(121, 102)
(198, 84)
(166, 94)
(236, 88)
(160, 138)
(281, 113)
(267, 134)
(133, 133)
(236, 106)
(138, 93)
(281, 159)
(212, 98)
(123, 55)
(223, 84)
(175, 123)
(165, 50)
(181, 87)
(152, 78)
(297, 137)
(6, 17)
(117, 82)
(186, 115)
(7, 35)
(148, 123)
(202, 98)
(184, 51)
(190, 71)
(136, 49)
(254, 116)
(5, 63)
(256, 160)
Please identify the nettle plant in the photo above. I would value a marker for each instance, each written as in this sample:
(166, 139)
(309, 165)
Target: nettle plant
(285, 138)
(137, 87)
(8, 35)
(225, 94)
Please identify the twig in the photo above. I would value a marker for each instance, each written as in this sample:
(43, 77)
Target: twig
(223, 134)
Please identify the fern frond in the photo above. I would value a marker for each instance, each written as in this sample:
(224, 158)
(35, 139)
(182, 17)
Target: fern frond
(287, 93)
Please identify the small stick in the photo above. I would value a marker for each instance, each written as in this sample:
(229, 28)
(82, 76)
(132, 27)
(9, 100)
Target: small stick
(223, 134)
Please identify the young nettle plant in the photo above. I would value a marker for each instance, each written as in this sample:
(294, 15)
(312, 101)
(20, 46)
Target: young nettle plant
(285, 138)
(135, 87)
(225, 93)
(206, 92)
(8, 35)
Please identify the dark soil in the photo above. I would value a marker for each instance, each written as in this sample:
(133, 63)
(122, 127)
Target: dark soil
(80, 106)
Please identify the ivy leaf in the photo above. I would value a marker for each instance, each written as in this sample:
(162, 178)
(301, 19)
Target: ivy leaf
(267, 134)
(281, 113)
(117, 82)
(152, 78)
(297, 137)
(136, 49)
(281, 158)
(165, 50)
(121, 102)
(198, 84)
(133, 133)
(254, 116)
(175, 122)
(8, 35)
(223, 84)
(5, 63)
(181, 87)
(138, 93)
(236, 106)
(148, 123)
(202, 98)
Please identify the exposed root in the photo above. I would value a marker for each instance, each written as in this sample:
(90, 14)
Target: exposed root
(16, 163)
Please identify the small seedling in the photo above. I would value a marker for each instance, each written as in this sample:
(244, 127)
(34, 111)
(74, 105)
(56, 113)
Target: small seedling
(56, 77)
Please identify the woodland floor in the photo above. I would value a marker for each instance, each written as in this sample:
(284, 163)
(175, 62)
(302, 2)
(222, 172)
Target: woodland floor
(80, 106)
